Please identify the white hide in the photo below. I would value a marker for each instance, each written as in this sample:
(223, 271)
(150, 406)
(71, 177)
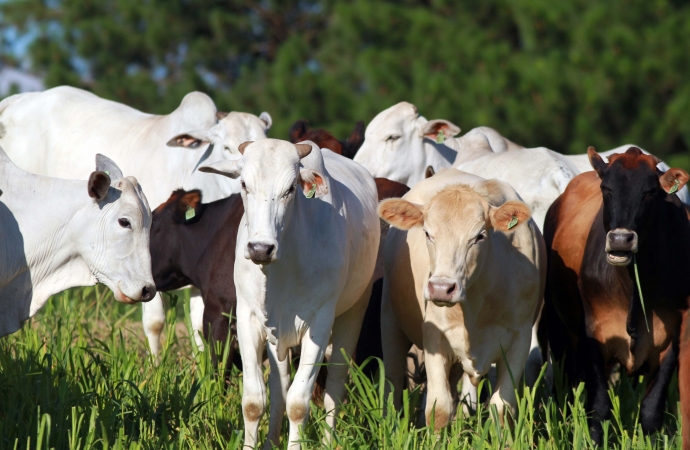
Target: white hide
(316, 287)
(537, 174)
(399, 144)
(58, 132)
(55, 236)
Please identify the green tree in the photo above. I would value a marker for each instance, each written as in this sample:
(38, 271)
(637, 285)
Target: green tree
(563, 75)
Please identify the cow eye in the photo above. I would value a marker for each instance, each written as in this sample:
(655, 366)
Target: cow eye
(426, 233)
(124, 223)
(244, 186)
(480, 237)
(289, 191)
(226, 147)
(393, 137)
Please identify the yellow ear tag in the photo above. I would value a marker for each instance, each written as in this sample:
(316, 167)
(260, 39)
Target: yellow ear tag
(312, 191)
(674, 188)
(440, 137)
(190, 213)
(513, 222)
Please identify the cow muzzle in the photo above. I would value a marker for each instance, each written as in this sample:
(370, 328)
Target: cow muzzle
(444, 292)
(261, 252)
(144, 295)
(621, 243)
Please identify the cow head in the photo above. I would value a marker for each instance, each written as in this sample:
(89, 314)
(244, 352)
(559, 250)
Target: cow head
(231, 130)
(114, 236)
(631, 187)
(182, 208)
(398, 140)
(272, 182)
(459, 225)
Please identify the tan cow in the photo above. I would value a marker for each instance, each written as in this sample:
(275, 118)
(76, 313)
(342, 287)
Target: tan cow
(465, 283)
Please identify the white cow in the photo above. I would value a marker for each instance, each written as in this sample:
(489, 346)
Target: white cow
(398, 142)
(465, 284)
(305, 256)
(58, 234)
(57, 132)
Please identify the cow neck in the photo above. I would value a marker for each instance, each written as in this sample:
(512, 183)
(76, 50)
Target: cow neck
(51, 246)
(216, 231)
(663, 258)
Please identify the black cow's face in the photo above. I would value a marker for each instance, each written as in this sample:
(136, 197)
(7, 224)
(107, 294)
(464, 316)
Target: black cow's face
(631, 187)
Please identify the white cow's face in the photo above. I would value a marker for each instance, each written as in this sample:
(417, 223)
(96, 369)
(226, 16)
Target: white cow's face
(272, 184)
(114, 236)
(459, 226)
(396, 141)
(226, 136)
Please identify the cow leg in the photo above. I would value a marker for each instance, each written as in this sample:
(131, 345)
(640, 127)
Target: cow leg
(468, 396)
(278, 382)
(534, 361)
(684, 378)
(596, 382)
(251, 340)
(314, 344)
(196, 315)
(439, 401)
(346, 328)
(395, 346)
(654, 403)
(153, 320)
(509, 371)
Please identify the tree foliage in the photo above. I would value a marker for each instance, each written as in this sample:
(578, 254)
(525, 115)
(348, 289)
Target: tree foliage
(563, 75)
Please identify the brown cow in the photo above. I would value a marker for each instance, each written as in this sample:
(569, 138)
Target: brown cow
(300, 131)
(625, 211)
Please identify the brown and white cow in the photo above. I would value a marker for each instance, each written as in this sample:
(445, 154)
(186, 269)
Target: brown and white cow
(464, 279)
(623, 212)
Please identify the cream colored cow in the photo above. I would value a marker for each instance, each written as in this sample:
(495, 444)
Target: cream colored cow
(464, 283)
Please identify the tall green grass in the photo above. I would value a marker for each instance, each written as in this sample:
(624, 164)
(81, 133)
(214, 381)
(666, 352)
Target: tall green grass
(78, 376)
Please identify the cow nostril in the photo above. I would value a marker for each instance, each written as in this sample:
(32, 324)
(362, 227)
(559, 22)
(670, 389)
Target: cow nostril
(451, 289)
(269, 249)
(146, 293)
(629, 238)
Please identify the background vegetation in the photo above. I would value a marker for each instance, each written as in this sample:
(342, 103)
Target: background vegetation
(563, 75)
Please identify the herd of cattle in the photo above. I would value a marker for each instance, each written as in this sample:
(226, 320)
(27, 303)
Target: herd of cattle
(493, 248)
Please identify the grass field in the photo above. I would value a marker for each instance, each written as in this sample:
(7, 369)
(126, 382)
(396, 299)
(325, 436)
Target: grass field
(78, 376)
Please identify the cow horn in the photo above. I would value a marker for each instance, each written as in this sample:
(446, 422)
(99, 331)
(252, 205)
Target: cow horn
(303, 150)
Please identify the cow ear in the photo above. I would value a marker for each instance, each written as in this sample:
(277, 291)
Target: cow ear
(188, 206)
(192, 139)
(597, 162)
(401, 213)
(429, 172)
(107, 165)
(673, 180)
(98, 185)
(297, 130)
(242, 146)
(433, 128)
(220, 115)
(231, 168)
(266, 119)
(509, 215)
(313, 184)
